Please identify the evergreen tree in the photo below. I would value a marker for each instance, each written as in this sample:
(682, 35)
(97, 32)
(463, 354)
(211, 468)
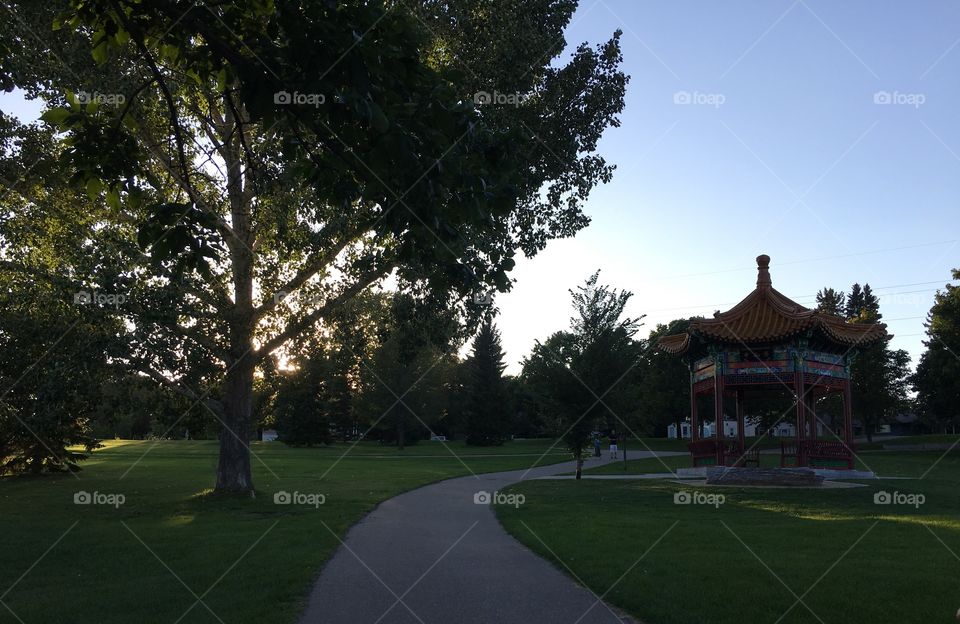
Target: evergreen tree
(485, 393)
(937, 380)
(831, 301)
(878, 376)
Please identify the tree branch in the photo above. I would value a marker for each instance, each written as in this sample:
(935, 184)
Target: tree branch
(296, 327)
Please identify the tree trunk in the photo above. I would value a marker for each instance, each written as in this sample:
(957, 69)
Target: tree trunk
(233, 468)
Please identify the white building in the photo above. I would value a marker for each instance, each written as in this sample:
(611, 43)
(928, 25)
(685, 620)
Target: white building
(782, 429)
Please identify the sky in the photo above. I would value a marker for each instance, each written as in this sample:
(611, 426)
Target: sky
(823, 134)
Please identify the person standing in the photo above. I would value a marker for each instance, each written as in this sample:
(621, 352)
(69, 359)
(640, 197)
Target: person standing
(596, 446)
(613, 445)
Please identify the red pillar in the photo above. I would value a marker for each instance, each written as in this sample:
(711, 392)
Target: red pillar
(718, 409)
(798, 391)
(847, 413)
(694, 425)
(741, 435)
(811, 404)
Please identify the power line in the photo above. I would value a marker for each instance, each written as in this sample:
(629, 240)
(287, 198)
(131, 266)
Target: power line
(806, 260)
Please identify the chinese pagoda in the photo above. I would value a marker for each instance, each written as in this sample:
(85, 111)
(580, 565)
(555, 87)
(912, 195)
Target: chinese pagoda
(769, 346)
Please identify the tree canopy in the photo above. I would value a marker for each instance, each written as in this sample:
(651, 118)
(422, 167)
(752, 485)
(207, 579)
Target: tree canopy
(258, 166)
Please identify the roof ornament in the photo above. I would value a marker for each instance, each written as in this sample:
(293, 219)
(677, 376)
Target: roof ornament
(763, 272)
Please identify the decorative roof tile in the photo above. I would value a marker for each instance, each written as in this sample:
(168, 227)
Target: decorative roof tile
(767, 315)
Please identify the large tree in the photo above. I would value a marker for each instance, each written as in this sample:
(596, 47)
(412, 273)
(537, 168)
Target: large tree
(276, 160)
(486, 403)
(588, 375)
(937, 380)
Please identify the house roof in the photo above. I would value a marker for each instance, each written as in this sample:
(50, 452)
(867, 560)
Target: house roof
(767, 315)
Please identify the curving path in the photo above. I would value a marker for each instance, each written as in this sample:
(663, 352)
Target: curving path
(433, 556)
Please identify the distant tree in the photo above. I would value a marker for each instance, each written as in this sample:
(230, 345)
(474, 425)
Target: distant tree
(405, 381)
(937, 380)
(879, 375)
(303, 402)
(528, 416)
(588, 375)
(831, 302)
(486, 401)
(664, 382)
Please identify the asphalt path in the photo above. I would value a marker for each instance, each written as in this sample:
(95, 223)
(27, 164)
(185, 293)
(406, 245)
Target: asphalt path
(437, 554)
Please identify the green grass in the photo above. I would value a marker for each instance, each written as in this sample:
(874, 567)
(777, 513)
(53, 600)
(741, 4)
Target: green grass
(697, 569)
(100, 571)
(880, 441)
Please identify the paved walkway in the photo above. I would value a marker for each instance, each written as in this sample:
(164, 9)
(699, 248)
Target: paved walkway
(433, 556)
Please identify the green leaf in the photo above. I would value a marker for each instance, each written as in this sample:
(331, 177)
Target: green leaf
(94, 186)
(113, 199)
(55, 116)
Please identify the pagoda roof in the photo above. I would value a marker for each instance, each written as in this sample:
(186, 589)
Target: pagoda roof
(768, 316)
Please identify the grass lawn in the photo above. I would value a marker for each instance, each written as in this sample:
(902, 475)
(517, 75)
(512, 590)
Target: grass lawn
(170, 541)
(880, 441)
(749, 559)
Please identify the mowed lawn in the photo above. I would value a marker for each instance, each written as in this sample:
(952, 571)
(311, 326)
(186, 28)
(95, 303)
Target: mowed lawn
(764, 555)
(170, 543)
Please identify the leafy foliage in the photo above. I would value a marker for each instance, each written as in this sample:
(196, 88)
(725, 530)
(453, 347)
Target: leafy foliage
(937, 379)
(587, 376)
(257, 181)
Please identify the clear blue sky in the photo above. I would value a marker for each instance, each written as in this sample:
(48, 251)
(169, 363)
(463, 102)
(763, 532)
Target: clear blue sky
(787, 148)
(822, 133)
